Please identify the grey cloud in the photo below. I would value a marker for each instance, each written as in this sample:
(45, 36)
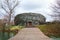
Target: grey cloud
(30, 6)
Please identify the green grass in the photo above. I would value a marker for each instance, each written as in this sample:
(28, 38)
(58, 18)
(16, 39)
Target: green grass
(50, 29)
(16, 27)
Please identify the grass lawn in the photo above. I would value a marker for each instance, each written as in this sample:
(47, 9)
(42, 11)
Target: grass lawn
(51, 30)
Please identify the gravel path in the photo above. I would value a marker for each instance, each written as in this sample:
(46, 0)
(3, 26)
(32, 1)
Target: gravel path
(30, 34)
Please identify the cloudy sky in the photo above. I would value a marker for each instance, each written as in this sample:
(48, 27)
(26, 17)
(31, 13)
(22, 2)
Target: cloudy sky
(36, 6)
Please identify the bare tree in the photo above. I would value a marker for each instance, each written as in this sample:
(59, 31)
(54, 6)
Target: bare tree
(56, 10)
(9, 7)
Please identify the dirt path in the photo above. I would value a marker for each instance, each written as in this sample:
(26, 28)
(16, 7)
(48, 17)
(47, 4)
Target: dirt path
(30, 34)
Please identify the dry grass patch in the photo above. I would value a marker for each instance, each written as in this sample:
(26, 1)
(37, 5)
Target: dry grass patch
(52, 29)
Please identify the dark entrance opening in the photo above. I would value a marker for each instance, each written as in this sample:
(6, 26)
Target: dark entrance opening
(29, 24)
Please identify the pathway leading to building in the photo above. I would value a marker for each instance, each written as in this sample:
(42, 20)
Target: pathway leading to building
(30, 34)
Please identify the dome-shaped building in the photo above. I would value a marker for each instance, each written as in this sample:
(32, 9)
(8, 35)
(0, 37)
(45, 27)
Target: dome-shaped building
(34, 18)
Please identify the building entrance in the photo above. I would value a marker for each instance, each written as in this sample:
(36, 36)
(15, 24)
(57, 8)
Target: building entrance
(29, 24)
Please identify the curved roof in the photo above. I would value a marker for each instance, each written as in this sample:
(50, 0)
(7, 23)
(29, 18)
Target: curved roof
(31, 16)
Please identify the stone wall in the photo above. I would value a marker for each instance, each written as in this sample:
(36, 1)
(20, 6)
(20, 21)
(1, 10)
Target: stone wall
(33, 17)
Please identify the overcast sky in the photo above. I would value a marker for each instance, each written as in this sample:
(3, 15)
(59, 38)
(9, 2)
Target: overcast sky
(35, 6)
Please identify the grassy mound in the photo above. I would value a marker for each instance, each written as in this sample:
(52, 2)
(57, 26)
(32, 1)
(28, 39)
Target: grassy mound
(51, 29)
(16, 27)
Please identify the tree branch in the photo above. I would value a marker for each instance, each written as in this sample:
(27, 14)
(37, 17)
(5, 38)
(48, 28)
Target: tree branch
(15, 5)
(4, 9)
